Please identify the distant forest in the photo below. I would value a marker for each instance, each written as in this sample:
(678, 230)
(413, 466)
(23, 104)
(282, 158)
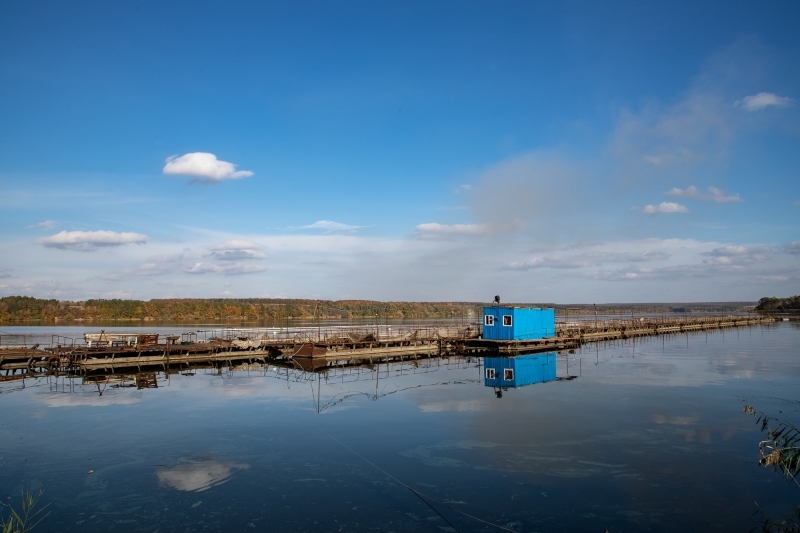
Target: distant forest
(26, 308)
(16, 309)
(778, 305)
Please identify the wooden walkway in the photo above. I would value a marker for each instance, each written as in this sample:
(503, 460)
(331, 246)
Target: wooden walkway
(316, 349)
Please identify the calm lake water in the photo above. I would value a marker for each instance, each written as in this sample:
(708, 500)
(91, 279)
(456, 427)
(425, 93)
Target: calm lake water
(649, 437)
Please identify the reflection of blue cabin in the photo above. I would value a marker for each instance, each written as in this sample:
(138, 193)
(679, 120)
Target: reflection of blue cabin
(518, 323)
(513, 372)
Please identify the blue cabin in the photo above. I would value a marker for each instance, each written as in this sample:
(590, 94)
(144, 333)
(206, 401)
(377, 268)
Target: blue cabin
(518, 323)
(513, 372)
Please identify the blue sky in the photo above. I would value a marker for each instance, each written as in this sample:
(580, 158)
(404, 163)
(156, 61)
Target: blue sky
(407, 151)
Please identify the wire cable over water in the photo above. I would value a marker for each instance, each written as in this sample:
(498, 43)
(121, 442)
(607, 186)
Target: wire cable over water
(420, 495)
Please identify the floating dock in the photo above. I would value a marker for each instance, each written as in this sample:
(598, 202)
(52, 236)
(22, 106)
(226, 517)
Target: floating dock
(315, 349)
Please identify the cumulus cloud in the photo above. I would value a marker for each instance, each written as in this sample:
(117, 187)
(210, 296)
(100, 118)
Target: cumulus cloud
(204, 167)
(235, 250)
(231, 257)
(46, 224)
(432, 229)
(737, 256)
(90, 240)
(759, 101)
(714, 194)
(664, 207)
(330, 225)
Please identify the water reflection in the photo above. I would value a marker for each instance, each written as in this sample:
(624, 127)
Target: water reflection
(198, 475)
(646, 440)
(514, 372)
(327, 387)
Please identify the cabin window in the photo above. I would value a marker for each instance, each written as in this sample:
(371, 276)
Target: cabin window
(490, 373)
(508, 374)
(507, 320)
(488, 320)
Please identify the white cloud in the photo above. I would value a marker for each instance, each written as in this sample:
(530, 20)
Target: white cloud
(774, 278)
(228, 254)
(739, 251)
(46, 224)
(664, 207)
(329, 225)
(90, 240)
(714, 194)
(435, 229)
(587, 259)
(231, 269)
(204, 166)
(718, 196)
(759, 101)
(160, 264)
(235, 250)
(236, 244)
(236, 255)
(427, 269)
(737, 256)
(689, 192)
(792, 248)
(728, 260)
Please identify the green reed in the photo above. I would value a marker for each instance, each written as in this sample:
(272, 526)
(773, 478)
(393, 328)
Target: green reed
(780, 450)
(30, 514)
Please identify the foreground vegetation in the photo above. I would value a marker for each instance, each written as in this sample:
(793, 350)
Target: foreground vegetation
(30, 514)
(780, 451)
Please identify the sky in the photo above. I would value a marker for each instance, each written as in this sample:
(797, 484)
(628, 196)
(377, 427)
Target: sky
(575, 152)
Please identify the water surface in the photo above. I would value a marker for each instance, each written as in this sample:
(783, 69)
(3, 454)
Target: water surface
(650, 436)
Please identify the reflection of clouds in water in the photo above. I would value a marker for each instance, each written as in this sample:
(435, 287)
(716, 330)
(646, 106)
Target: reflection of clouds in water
(66, 399)
(198, 476)
(675, 420)
(453, 405)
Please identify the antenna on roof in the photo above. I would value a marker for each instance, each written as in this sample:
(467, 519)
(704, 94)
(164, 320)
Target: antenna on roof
(496, 300)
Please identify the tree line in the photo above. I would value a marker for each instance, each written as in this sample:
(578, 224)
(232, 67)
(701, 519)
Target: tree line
(26, 308)
(779, 305)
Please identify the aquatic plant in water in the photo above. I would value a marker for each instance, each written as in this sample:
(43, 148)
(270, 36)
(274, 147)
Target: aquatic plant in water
(28, 517)
(781, 451)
